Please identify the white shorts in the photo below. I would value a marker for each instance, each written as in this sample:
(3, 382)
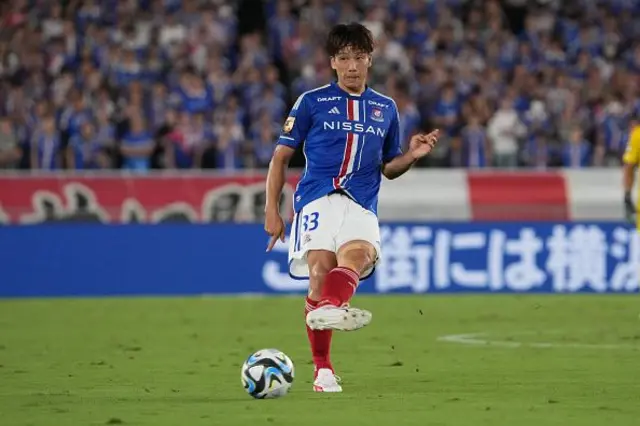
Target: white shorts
(327, 224)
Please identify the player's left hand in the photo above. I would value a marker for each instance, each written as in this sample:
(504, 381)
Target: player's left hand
(421, 144)
(629, 209)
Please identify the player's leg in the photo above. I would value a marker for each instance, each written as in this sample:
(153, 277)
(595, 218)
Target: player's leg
(354, 258)
(357, 255)
(320, 262)
(358, 244)
(334, 313)
(312, 255)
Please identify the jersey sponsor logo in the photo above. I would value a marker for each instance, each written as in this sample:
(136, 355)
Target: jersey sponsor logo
(376, 114)
(378, 104)
(353, 127)
(329, 99)
(288, 125)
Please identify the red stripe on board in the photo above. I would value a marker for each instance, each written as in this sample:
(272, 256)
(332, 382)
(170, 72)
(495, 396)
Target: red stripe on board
(349, 109)
(504, 196)
(345, 161)
(123, 198)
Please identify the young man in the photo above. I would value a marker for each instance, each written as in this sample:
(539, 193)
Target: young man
(351, 137)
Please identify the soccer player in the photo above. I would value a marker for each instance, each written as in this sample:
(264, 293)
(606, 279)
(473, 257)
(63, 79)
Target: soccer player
(351, 138)
(631, 159)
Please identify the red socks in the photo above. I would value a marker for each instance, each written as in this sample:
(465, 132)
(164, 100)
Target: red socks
(339, 286)
(320, 341)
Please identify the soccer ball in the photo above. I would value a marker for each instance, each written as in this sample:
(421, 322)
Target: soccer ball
(267, 373)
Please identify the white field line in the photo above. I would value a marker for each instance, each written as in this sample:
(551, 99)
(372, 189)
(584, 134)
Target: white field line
(483, 339)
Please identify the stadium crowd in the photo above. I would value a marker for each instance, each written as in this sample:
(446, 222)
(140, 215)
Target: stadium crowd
(141, 84)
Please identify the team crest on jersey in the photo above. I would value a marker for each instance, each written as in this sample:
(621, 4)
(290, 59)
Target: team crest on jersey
(376, 114)
(288, 124)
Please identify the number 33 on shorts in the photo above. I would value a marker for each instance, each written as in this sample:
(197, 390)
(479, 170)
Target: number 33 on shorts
(310, 222)
(304, 226)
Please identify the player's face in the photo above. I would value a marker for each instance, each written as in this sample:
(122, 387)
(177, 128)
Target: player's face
(352, 68)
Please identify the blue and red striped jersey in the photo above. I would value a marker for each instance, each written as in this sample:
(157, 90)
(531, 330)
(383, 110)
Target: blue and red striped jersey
(346, 139)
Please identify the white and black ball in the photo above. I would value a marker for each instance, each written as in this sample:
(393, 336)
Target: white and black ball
(267, 373)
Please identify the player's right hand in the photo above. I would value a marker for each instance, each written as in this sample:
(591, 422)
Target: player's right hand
(629, 209)
(274, 225)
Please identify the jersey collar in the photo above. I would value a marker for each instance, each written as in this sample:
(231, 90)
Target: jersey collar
(341, 90)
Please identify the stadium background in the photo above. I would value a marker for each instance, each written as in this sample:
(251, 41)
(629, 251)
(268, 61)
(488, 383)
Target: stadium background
(133, 141)
(166, 111)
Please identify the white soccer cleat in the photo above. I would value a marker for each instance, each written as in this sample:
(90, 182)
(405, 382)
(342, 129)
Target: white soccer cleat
(326, 381)
(333, 318)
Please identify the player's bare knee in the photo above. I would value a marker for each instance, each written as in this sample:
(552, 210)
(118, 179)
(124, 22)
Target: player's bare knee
(318, 272)
(357, 255)
(320, 263)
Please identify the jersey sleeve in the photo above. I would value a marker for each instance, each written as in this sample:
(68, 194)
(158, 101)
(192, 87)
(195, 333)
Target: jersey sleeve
(296, 126)
(392, 147)
(632, 152)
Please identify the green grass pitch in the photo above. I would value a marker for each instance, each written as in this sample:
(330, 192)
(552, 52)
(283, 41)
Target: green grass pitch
(559, 360)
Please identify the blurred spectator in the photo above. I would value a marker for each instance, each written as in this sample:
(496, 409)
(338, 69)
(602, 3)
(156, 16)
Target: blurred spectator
(504, 130)
(262, 134)
(46, 147)
(408, 113)
(189, 141)
(454, 155)
(229, 140)
(475, 146)
(131, 68)
(448, 109)
(192, 94)
(576, 150)
(137, 145)
(10, 151)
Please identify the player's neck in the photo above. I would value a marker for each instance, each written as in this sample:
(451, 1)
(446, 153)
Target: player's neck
(358, 92)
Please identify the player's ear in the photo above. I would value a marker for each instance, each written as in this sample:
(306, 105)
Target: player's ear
(370, 60)
(333, 63)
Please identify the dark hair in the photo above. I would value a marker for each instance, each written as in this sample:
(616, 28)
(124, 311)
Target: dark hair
(354, 35)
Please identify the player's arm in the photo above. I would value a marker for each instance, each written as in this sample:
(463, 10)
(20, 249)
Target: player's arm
(294, 132)
(276, 176)
(398, 165)
(395, 163)
(630, 159)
